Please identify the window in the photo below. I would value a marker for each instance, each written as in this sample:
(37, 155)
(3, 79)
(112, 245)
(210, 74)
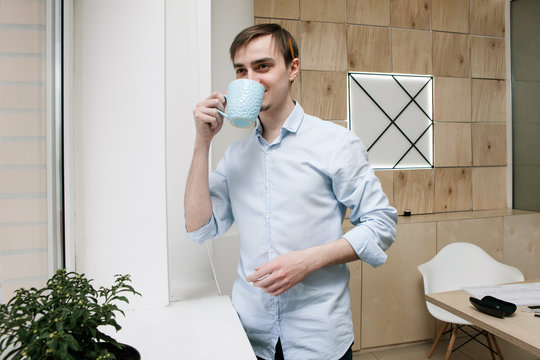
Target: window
(30, 143)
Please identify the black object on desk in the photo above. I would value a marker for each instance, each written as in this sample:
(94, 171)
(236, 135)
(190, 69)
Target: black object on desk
(493, 306)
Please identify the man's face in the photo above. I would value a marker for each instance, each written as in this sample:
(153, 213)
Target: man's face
(260, 60)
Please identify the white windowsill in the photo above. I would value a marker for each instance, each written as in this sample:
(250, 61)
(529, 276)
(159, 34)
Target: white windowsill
(206, 328)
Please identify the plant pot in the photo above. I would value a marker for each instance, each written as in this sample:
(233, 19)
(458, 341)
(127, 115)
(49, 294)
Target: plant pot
(126, 353)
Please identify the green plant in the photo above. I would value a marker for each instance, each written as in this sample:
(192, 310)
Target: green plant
(62, 320)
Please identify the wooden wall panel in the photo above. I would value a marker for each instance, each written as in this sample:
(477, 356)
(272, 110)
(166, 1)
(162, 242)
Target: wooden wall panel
(489, 144)
(386, 177)
(322, 10)
(450, 54)
(452, 144)
(453, 189)
(414, 190)
(488, 100)
(487, 17)
(452, 99)
(395, 286)
(324, 94)
(450, 15)
(368, 12)
(411, 44)
(368, 49)
(288, 9)
(324, 46)
(487, 58)
(486, 233)
(522, 243)
(489, 188)
(411, 14)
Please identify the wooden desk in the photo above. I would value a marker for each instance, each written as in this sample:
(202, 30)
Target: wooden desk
(522, 328)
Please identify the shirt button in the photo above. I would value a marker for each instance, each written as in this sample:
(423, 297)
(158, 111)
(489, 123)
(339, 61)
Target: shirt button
(279, 318)
(271, 251)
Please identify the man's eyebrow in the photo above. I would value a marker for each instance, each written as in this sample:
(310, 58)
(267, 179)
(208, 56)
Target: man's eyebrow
(255, 62)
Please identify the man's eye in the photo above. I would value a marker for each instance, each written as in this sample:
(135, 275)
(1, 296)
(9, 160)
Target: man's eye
(263, 67)
(240, 71)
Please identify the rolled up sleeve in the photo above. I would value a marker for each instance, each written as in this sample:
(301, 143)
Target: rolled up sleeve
(357, 187)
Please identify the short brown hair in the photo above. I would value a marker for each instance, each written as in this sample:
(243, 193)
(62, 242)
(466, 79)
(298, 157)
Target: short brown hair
(282, 38)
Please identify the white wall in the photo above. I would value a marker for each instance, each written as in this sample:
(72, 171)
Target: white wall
(119, 132)
(188, 25)
(139, 68)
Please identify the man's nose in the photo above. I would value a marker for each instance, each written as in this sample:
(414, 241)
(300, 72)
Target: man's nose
(252, 75)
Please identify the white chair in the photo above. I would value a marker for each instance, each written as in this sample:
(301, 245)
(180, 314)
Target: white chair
(457, 265)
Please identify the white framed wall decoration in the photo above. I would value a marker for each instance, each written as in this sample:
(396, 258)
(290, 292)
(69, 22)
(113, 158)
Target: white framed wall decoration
(393, 116)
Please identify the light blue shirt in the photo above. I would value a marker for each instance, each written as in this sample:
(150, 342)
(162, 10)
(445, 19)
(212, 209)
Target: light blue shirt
(291, 195)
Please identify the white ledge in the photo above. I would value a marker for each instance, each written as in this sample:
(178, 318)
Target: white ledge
(206, 328)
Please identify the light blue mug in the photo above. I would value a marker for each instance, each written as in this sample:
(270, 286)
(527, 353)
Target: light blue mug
(244, 100)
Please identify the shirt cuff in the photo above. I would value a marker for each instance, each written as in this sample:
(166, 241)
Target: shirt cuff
(366, 245)
(206, 232)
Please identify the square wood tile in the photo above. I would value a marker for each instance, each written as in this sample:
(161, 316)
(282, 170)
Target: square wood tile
(450, 54)
(323, 10)
(288, 9)
(398, 278)
(488, 100)
(368, 12)
(489, 188)
(368, 49)
(386, 177)
(450, 15)
(324, 94)
(489, 144)
(324, 46)
(452, 144)
(411, 44)
(453, 189)
(487, 58)
(411, 14)
(486, 233)
(487, 17)
(522, 243)
(452, 99)
(414, 191)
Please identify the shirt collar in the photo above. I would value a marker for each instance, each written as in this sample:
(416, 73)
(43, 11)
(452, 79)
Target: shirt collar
(292, 124)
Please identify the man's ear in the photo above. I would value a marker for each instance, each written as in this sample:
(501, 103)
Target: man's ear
(294, 69)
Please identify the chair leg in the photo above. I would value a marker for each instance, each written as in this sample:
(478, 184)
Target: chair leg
(437, 339)
(496, 345)
(451, 343)
(491, 349)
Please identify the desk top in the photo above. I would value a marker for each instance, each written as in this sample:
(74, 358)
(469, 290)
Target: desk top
(522, 328)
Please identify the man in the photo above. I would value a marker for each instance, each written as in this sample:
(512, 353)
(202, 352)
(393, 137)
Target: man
(287, 187)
